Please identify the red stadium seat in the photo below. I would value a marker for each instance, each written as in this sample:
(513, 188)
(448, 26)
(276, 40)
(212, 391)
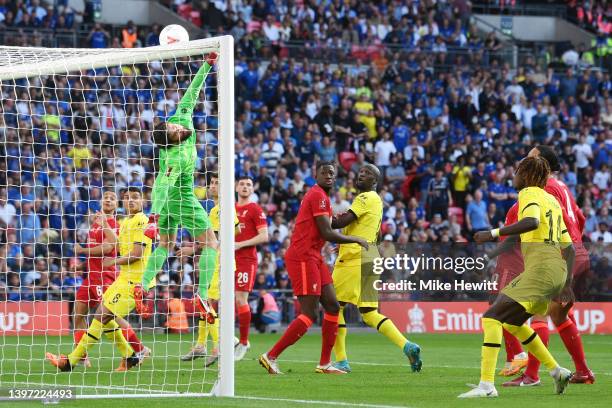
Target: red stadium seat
(458, 212)
(347, 159)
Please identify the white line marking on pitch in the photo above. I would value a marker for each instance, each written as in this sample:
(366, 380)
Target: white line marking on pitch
(315, 402)
(397, 365)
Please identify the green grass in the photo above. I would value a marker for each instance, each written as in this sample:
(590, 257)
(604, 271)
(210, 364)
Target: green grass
(380, 376)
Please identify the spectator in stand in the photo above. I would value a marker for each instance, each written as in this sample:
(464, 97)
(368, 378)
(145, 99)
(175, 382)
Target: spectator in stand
(438, 195)
(98, 37)
(129, 35)
(476, 216)
(461, 175)
(602, 234)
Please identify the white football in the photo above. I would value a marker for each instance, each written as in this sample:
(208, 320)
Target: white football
(173, 34)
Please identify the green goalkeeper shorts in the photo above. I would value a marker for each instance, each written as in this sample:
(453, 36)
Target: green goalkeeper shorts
(181, 207)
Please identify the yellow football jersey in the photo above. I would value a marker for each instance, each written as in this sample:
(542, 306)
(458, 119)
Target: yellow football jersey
(368, 208)
(214, 219)
(132, 231)
(545, 241)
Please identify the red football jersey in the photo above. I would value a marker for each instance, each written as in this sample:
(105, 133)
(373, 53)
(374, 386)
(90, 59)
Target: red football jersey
(572, 215)
(252, 219)
(306, 242)
(510, 264)
(95, 270)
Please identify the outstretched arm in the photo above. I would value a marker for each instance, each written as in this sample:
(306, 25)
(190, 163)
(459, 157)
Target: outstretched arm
(525, 225)
(190, 98)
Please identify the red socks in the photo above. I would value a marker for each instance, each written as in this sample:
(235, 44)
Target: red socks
(513, 346)
(133, 339)
(329, 331)
(77, 335)
(294, 331)
(573, 343)
(244, 321)
(533, 364)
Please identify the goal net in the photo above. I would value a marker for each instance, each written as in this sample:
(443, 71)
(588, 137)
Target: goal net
(74, 125)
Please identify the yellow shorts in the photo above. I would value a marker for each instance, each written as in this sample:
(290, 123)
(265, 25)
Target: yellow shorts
(213, 289)
(535, 308)
(537, 286)
(348, 281)
(119, 297)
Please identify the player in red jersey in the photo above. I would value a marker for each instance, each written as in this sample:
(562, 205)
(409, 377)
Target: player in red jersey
(101, 244)
(574, 220)
(558, 312)
(312, 283)
(253, 231)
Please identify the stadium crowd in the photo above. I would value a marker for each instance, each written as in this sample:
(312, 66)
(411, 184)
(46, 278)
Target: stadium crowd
(446, 140)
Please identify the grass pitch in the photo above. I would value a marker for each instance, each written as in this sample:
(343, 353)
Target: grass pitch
(381, 376)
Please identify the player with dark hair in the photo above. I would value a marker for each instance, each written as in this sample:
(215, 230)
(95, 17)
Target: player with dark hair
(312, 283)
(548, 255)
(173, 199)
(101, 244)
(253, 232)
(559, 313)
(118, 300)
(363, 220)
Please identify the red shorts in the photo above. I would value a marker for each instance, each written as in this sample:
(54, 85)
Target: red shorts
(245, 276)
(91, 293)
(308, 277)
(582, 263)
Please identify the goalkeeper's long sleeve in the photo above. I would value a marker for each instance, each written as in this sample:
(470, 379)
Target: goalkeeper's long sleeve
(190, 98)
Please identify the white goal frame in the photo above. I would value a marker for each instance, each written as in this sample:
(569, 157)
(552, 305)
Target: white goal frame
(80, 60)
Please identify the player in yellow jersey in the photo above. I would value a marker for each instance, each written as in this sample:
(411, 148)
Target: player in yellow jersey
(204, 326)
(548, 255)
(353, 275)
(118, 300)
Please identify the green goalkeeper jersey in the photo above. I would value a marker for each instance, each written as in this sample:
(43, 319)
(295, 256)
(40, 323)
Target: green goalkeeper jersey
(183, 156)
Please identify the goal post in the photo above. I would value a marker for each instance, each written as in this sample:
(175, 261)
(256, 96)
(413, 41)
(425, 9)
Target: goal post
(31, 67)
(227, 210)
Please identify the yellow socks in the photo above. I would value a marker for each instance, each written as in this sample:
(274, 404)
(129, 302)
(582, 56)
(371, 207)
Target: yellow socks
(113, 332)
(214, 332)
(533, 344)
(385, 326)
(490, 348)
(203, 329)
(94, 332)
(340, 344)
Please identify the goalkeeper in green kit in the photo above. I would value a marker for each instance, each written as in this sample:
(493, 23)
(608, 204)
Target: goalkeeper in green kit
(173, 198)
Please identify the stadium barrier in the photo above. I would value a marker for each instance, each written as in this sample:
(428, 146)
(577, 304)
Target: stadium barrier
(34, 318)
(464, 317)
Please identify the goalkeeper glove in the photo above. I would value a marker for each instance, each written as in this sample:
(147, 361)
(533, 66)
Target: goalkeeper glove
(211, 59)
(206, 311)
(151, 231)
